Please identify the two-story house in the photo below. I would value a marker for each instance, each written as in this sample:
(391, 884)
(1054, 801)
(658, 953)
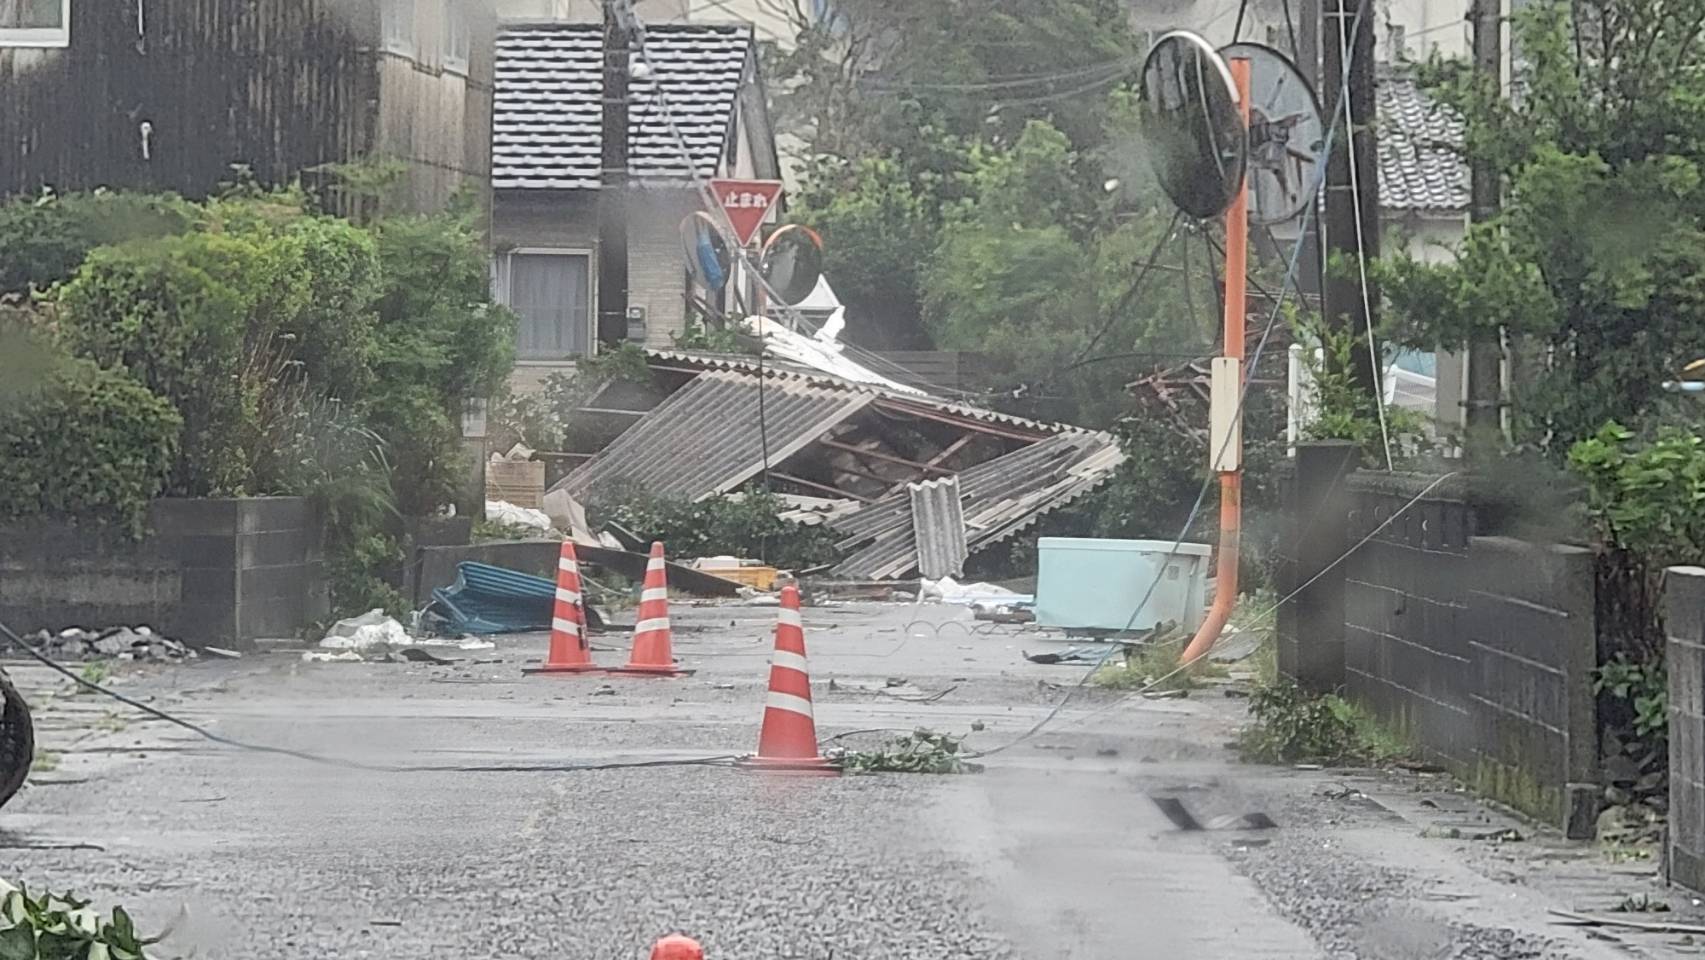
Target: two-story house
(696, 110)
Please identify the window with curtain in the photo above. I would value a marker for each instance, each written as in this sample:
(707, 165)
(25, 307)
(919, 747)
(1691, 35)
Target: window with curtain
(552, 294)
(35, 23)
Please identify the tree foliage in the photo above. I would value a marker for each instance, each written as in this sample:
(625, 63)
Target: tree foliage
(978, 177)
(1597, 258)
(303, 354)
(87, 443)
(46, 238)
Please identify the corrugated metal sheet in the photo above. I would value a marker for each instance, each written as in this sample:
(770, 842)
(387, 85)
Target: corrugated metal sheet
(704, 438)
(792, 371)
(998, 498)
(938, 527)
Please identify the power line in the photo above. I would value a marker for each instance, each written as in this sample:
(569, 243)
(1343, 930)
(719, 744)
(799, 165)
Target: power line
(310, 757)
(1001, 83)
(1345, 57)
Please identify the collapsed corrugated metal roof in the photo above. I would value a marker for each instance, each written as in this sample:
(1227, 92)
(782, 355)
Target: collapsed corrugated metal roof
(704, 439)
(998, 499)
(785, 369)
(938, 526)
(860, 446)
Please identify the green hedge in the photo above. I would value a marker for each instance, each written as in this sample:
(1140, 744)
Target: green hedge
(46, 239)
(152, 310)
(87, 443)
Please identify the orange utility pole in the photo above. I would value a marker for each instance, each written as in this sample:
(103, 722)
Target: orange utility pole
(1226, 405)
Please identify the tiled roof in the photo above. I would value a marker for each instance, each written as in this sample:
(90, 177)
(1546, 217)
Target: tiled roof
(547, 126)
(1420, 166)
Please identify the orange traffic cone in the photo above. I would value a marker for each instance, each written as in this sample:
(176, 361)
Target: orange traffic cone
(570, 652)
(653, 647)
(677, 947)
(788, 740)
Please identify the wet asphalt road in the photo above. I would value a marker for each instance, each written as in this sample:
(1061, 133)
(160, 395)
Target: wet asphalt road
(1054, 852)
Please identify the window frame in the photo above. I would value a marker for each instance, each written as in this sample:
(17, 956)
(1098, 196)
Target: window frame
(392, 14)
(591, 256)
(456, 26)
(41, 37)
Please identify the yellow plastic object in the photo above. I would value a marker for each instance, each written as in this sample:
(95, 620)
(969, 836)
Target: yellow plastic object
(758, 578)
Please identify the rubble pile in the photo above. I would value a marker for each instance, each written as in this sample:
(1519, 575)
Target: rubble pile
(115, 643)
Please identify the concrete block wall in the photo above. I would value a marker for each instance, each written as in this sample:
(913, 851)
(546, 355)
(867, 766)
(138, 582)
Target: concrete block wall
(1532, 639)
(1684, 626)
(1480, 650)
(1406, 652)
(221, 572)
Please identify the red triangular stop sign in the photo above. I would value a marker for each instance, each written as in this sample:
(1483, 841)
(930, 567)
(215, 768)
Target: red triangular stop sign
(747, 203)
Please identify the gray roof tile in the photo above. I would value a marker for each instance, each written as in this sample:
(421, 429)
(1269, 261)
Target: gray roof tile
(1420, 139)
(547, 126)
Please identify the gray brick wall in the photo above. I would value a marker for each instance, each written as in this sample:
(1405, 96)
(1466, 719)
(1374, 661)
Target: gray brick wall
(1405, 646)
(220, 572)
(1480, 650)
(1684, 624)
(1532, 641)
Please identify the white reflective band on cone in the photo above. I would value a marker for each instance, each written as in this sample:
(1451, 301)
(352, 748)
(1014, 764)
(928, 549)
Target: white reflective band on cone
(655, 624)
(789, 659)
(788, 702)
(790, 618)
(566, 626)
(567, 596)
(650, 594)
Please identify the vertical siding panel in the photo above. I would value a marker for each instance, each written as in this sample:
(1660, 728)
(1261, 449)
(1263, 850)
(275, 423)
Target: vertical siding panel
(276, 84)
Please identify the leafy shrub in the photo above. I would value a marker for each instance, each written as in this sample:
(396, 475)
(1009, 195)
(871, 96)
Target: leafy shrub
(438, 342)
(550, 419)
(1646, 497)
(150, 310)
(47, 238)
(62, 927)
(332, 337)
(1290, 725)
(304, 354)
(87, 443)
(1644, 500)
(1343, 409)
(1645, 687)
(745, 525)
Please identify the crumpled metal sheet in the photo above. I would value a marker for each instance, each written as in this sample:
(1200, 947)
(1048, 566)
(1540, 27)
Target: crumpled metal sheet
(705, 438)
(938, 527)
(998, 498)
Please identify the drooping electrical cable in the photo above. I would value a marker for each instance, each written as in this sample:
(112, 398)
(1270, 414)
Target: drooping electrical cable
(18, 643)
(1361, 244)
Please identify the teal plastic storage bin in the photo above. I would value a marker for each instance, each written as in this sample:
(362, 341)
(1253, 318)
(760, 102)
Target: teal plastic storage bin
(1085, 584)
